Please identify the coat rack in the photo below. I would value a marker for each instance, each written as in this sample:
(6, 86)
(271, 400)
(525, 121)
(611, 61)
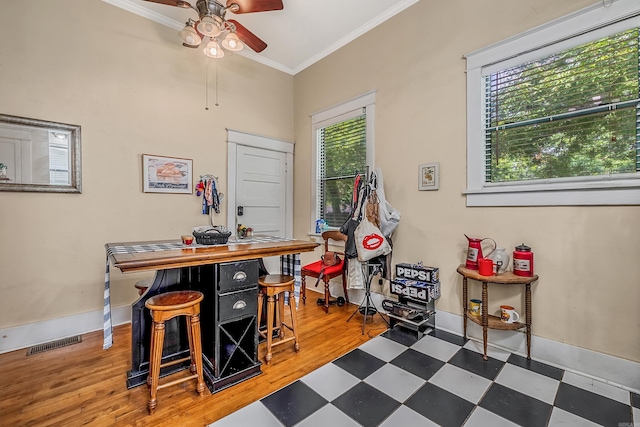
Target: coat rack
(211, 198)
(373, 267)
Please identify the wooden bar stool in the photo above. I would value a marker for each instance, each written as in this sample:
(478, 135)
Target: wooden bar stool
(274, 286)
(164, 307)
(142, 285)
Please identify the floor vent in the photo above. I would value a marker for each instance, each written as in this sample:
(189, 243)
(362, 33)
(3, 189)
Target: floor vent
(54, 344)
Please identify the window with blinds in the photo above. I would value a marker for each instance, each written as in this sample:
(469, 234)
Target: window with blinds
(342, 149)
(574, 113)
(59, 159)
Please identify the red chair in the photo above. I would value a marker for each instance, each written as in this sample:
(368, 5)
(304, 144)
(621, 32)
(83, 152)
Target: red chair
(314, 269)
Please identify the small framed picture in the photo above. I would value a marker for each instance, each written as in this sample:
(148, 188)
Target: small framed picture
(166, 174)
(429, 176)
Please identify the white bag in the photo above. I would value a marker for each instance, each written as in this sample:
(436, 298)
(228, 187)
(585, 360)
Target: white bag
(370, 242)
(355, 277)
(389, 217)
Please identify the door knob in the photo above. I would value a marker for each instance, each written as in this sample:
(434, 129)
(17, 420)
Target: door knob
(240, 210)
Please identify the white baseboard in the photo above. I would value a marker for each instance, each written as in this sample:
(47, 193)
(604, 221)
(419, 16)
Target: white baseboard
(614, 370)
(24, 336)
(610, 369)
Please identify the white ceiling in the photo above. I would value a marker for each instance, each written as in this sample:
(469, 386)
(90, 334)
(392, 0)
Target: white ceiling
(304, 32)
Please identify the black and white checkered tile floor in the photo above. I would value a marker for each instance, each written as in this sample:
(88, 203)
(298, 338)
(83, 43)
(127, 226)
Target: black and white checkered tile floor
(395, 380)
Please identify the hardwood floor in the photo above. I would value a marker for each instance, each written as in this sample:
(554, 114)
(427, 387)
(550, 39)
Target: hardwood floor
(84, 385)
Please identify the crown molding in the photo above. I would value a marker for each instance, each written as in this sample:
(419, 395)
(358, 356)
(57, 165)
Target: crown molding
(389, 13)
(144, 12)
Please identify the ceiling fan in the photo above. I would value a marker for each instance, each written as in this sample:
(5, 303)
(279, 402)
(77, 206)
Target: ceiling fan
(213, 25)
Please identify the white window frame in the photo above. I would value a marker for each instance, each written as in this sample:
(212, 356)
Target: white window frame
(586, 25)
(332, 115)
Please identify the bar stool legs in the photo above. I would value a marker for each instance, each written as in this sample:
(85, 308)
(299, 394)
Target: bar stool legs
(294, 319)
(164, 307)
(195, 344)
(274, 286)
(157, 339)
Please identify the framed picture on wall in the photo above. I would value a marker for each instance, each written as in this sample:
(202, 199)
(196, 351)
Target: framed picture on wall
(166, 174)
(429, 176)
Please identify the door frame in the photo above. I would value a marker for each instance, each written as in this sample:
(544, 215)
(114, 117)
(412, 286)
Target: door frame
(235, 138)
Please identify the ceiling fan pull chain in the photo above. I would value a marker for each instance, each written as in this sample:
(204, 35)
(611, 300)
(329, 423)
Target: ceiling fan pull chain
(206, 85)
(217, 85)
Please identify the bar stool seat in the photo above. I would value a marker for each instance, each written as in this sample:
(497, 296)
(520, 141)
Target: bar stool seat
(274, 286)
(164, 307)
(142, 285)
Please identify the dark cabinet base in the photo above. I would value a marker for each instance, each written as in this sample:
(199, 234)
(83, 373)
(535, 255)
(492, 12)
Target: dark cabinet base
(216, 384)
(228, 321)
(176, 345)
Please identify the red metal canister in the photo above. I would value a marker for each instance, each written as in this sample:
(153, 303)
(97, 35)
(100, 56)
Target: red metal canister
(523, 261)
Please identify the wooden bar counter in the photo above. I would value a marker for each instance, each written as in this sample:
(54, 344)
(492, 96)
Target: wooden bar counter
(227, 275)
(202, 255)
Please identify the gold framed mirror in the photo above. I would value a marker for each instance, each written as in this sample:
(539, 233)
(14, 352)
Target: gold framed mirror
(39, 156)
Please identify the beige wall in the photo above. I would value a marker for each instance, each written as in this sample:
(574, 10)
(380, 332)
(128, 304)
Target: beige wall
(134, 89)
(587, 257)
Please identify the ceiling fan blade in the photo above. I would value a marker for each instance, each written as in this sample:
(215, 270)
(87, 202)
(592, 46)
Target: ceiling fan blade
(248, 38)
(178, 3)
(249, 6)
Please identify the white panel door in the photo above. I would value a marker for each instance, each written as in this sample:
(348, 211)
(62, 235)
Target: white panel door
(16, 153)
(261, 190)
(11, 154)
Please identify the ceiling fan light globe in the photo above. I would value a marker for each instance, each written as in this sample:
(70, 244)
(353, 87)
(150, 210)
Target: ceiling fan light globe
(213, 50)
(189, 36)
(209, 27)
(232, 43)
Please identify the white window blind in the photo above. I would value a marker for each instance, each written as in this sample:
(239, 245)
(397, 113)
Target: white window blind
(553, 113)
(59, 159)
(342, 154)
(573, 113)
(343, 145)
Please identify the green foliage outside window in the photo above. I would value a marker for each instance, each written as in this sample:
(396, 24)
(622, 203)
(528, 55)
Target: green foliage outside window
(342, 153)
(571, 114)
